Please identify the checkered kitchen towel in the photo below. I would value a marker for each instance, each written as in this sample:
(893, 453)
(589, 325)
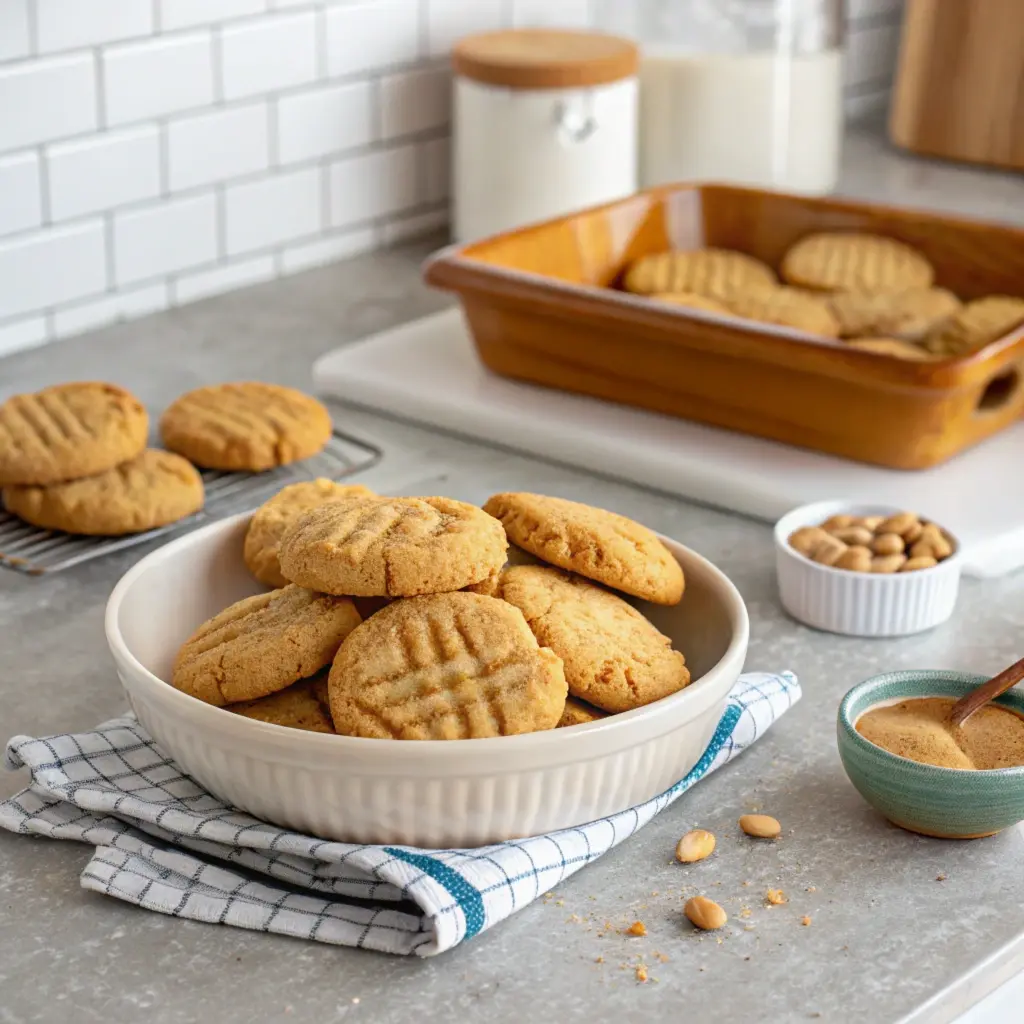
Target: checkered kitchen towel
(164, 843)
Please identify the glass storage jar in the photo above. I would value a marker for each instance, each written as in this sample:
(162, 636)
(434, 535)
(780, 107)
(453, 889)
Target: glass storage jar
(741, 91)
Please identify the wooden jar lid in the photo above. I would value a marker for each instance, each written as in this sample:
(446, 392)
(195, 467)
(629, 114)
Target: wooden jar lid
(544, 58)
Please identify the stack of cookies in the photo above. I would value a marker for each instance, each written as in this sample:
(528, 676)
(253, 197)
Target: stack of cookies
(876, 293)
(409, 618)
(73, 457)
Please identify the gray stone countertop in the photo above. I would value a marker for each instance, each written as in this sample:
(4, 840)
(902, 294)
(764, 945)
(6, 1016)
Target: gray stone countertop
(895, 918)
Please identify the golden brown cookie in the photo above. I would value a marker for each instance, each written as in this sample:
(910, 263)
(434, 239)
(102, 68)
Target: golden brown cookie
(909, 315)
(392, 547)
(263, 644)
(579, 712)
(715, 272)
(850, 261)
(249, 426)
(152, 490)
(976, 324)
(445, 667)
(303, 705)
(273, 517)
(69, 431)
(892, 347)
(692, 301)
(613, 657)
(591, 541)
(787, 307)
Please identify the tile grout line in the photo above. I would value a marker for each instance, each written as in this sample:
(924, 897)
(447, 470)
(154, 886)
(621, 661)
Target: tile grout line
(108, 242)
(101, 89)
(44, 187)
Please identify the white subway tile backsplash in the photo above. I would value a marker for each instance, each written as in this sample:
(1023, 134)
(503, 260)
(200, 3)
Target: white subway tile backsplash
(329, 119)
(190, 287)
(414, 226)
(20, 194)
(46, 99)
(187, 13)
(372, 34)
(551, 13)
(21, 334)
(157, 77)
(14, 34)
(372, 185)
(125, 305)
(49, 267)
(102, 172)
(264, 213)
(415, 101)
(448, 20)
(271, 53)
(68, 24)
(176, 235)
(437, 169)
(327, 250)
(207, 148)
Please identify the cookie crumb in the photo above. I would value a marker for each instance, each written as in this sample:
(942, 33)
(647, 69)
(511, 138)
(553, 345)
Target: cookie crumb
(745, 912)
(641, 973)
(599, 960)
(940, 878)
(812, 888)
(637, 928)
(775, 897)
(805, 920)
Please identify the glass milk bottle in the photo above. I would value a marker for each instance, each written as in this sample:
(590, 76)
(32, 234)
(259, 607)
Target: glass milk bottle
(741, 91)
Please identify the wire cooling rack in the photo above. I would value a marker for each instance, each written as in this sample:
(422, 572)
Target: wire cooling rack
(30, 550)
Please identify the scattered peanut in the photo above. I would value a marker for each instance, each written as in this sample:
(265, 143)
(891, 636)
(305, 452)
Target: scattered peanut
(704, 914)
(805, 920)
(760, 826)
(887, 544)
(775, 897)
(641, 973)
(637, 928)
(921, 562)
(887, 563)
(856, 558)
(828, 551)
(853, 535)
(694, 846)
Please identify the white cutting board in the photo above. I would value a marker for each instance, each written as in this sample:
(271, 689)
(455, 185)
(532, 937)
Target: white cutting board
(428, 371)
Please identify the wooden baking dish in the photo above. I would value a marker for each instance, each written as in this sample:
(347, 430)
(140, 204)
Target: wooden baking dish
(542, 306)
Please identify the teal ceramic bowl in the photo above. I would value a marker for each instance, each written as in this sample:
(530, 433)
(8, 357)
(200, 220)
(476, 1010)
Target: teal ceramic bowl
(949, 803)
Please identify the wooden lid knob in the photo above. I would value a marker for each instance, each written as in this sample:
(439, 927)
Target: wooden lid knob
(544, 58)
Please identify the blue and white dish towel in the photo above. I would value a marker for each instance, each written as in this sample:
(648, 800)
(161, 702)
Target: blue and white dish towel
(164, 843)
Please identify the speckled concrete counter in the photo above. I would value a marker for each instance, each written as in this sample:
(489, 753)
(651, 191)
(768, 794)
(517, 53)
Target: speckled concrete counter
(894, 917)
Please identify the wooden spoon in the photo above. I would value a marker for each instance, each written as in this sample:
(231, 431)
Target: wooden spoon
(967, 705)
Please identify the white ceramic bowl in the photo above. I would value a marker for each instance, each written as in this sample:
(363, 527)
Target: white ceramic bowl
(420, 793)
(861, 603)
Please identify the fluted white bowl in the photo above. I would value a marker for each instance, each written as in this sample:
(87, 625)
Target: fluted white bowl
(861, 603)
(419, 793)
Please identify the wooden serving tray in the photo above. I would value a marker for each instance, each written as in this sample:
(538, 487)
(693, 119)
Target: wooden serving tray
(542, 306)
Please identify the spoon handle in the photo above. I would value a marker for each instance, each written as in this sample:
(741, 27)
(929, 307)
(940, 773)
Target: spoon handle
(967, 705)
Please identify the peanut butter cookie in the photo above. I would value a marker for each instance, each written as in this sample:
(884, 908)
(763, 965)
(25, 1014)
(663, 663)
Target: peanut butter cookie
(692, 301)
(445, 667)
(892, 347)
(908, 315)
(850, 261)
(976, 324)
(595, 543)
(303, 705)
(786, 307)
(613, 657)
(392, 547)
(579, 712)
(249, 426)
(716, 272)
(152, 490)
(263, 644)
(273, 517)
(69, 431)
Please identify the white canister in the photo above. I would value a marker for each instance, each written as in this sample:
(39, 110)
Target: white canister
(545, 123)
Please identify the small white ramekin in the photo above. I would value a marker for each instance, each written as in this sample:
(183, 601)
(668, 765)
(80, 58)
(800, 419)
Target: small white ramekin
(420, 793)
(861, 603)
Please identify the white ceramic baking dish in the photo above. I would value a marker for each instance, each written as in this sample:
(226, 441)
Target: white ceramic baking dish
(430, 793)
(861, 603)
